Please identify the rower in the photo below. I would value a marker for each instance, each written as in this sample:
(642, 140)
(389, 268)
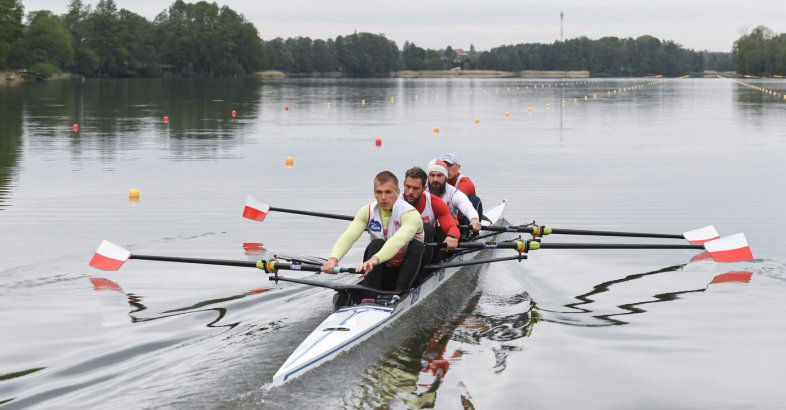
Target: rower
(457, 201)
(432, 210)
(393, 258)
(461, 181)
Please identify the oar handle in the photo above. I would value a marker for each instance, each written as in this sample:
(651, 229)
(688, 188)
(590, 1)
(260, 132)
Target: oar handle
(273, 266)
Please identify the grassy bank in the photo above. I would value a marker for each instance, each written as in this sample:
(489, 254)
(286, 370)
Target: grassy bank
(453, 74)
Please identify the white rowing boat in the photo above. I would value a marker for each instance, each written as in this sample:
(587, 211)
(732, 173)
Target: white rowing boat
(349, 326)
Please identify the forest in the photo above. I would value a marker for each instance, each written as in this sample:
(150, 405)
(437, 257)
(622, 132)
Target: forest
(207, 40)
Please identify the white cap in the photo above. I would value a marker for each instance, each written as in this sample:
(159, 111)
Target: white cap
(450, 158)
(438, 165)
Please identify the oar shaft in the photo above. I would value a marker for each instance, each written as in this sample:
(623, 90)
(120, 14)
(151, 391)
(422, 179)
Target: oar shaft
(223, 262)
(617, 246)
(474, 262)
(614, 233)
(311, 213)
(560, 231)
(549, 245)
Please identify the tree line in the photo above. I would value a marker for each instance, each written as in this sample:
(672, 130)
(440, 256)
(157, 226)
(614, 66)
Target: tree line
(760, 52)
(203, 39)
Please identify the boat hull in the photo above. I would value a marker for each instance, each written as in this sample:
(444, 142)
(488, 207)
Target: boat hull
(351, 325)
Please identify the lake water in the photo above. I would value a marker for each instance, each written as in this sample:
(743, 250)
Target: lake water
(564, 329)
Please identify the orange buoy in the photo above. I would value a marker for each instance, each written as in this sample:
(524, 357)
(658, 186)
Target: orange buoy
(166, 119)
(75, 127)
(289, 161)
(378, 142)
(436, 130)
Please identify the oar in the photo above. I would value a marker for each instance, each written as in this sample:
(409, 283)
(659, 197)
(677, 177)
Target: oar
(111, 257)
(256, 210)
(732, 248)
(695, 237)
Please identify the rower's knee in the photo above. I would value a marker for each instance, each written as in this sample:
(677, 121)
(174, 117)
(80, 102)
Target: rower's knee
(373, 247)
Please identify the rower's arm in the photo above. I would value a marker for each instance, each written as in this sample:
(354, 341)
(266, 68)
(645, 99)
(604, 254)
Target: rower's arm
(353, 232)
(411, 224)
(462, 202)
(446, 221)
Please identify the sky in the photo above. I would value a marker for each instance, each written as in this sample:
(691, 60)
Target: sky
(698, 24)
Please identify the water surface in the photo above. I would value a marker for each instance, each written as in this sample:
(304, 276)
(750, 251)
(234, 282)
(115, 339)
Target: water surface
(600, 329)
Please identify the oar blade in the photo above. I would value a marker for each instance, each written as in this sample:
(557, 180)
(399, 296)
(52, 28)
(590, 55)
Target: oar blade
(701, 235)
(255, 209)
(109, 256)
(732, 248)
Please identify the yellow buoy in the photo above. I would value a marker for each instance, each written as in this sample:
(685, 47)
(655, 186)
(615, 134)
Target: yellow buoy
(133, 195)
(289, 161)
(529, 109)
(392, 99)
(507, 115)
(477, 121)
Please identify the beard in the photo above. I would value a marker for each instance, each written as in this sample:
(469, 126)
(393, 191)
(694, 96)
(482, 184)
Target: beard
(412, 202)
(436, 189)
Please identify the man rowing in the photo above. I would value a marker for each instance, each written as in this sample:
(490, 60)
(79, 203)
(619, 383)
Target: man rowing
(393, 258)
(457, 201)
(439, 225)
(461, 181)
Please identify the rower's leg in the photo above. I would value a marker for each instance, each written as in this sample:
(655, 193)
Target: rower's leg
(411, 266)
(430, 251)
(374, 278)
(439, 253)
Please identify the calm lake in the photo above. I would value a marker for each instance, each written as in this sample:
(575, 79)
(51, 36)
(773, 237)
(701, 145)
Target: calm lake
(564, 329)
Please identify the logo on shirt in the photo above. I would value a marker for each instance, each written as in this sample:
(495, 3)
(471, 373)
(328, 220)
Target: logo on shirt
(425, 219)
(374, 226)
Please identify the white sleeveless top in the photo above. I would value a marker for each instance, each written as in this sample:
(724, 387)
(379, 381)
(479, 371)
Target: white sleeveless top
(377, 231)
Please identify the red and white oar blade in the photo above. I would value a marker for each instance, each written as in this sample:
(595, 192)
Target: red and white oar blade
(732, 277)
(701, 235)
(255, 209)
(732, 248)
(109, 256)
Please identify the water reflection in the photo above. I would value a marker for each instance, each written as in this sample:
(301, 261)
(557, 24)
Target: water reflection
(634, 308)
(10, 138)
(117, 116)
(135, 301)
(413, 373)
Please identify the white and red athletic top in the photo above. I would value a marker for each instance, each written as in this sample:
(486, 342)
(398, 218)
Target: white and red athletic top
(433, 210)
(377, 231)
(463, 184)
(458, 201)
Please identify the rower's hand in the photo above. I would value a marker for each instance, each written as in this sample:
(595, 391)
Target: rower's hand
(367, 266)
(475, 224)
(451, 242)
(329, 264)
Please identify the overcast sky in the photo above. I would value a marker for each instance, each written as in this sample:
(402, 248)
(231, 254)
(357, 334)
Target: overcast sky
(699, 24)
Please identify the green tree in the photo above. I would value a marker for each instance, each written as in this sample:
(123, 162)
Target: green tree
(413, 57)
(45, 43)
(11, 12)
